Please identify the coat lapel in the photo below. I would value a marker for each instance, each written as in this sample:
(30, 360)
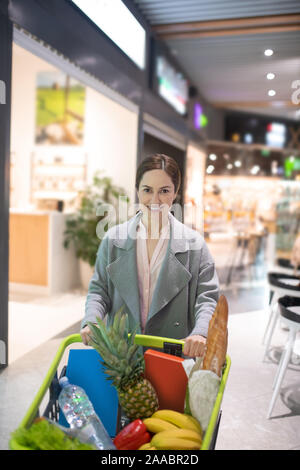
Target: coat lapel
(123, 271)
(173, 276)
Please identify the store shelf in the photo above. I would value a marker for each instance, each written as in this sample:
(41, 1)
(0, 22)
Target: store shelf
(61, 195)
(57, 178)
(58, 165)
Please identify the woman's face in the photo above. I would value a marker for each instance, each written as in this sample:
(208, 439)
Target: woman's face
(156, 191)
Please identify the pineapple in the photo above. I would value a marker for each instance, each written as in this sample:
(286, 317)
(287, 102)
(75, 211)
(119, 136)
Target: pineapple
(124, 366)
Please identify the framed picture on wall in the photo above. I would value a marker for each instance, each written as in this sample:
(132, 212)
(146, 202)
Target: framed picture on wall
(60, 106)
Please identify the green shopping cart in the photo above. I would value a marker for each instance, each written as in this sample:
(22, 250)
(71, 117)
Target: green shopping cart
(108, 396)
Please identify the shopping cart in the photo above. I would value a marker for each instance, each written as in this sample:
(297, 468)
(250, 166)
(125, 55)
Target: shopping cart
(51, 385)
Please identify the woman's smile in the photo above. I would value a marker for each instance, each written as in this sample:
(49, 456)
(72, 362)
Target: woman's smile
(155, 207)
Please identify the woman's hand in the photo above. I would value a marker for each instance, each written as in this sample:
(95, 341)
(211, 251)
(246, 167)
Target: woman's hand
(85, 335)
(194, 346)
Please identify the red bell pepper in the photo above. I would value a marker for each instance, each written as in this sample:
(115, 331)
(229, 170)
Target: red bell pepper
(133, 436)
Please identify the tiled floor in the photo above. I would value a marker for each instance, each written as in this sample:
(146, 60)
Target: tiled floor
(35, 319)
(249, 388)
(248, 391)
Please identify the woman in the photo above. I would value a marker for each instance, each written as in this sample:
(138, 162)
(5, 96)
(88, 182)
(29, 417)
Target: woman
(160, 269)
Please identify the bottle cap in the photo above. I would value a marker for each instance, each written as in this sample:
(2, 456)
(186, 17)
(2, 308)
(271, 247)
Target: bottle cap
(63, 382)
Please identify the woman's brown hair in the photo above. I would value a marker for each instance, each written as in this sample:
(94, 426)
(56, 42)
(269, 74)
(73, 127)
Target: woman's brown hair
(159, 161)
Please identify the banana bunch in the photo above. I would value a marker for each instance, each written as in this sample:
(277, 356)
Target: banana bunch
(173, 431)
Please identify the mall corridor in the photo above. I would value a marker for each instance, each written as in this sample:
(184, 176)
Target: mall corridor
(150, 159)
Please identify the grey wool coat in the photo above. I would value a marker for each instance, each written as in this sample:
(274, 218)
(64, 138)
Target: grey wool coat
(187, 288)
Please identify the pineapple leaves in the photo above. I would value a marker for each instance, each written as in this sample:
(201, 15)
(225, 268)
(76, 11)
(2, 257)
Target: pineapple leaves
(131, 352)
(122, 348)
(122, 326)
(96, 336)
(117, 319)
(132, 336)
(126, 327)
(105, 339)
(97, 343)
(120, 356)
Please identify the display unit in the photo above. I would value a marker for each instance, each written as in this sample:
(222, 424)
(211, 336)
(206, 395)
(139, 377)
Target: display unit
(57, 178)
(167, 80)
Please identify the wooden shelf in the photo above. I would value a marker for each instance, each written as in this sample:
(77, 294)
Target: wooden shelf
(58, 165)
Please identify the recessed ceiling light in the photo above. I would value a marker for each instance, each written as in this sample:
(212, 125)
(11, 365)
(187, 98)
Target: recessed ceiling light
(210, 169)
(270, 76)
(248, 138)
(237, 163)
(212, 156)
(255, 169)
(271, 92)
(268, 52)
(229, 166)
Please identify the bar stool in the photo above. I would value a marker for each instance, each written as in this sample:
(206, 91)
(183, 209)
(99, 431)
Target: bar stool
(289, 311)
(280, 284)
(284, 266)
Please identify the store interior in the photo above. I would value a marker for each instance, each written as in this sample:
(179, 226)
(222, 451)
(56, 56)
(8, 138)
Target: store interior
(251, 206)
(244, 198)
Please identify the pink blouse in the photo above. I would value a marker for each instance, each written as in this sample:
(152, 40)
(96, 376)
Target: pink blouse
(148, 273)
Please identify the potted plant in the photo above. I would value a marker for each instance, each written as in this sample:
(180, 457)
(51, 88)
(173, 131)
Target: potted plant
(81, 227)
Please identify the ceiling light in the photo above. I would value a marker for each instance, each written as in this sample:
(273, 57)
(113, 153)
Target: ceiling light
(274, 167)
(278, 104)
(270, 76)
(212, 156)
(116, 20)
(271, 92)
(255, 169)
(229, 166)
(210, 169)
(248, 138)
(268, 52)
(237, 163)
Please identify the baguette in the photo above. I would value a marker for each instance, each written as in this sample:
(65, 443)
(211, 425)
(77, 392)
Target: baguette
(217, 338)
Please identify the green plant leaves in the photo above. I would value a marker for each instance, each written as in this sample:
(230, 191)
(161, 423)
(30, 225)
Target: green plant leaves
(81, 227)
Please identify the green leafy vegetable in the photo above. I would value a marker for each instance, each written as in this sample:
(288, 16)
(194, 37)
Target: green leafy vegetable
(43, 435)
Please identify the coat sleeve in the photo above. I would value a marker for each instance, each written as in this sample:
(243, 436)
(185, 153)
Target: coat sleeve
(98, 302)
(207, 295)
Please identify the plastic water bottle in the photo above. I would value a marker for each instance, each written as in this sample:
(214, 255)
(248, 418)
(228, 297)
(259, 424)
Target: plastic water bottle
(80, 414)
